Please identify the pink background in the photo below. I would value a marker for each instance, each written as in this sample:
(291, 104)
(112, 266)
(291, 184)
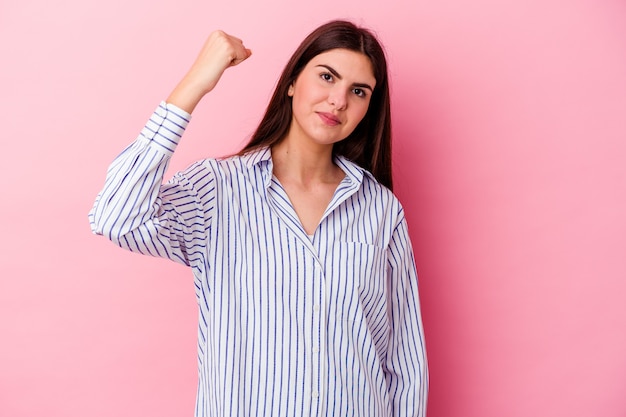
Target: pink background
(510, 129)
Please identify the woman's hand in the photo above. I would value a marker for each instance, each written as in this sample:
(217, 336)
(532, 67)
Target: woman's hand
(219, 52)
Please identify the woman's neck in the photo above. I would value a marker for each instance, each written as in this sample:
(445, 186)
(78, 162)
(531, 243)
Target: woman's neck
(305, 164)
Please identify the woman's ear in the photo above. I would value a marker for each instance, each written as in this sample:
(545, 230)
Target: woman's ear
(290, 90)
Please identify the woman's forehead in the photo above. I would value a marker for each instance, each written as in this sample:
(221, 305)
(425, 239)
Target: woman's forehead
(347, 63)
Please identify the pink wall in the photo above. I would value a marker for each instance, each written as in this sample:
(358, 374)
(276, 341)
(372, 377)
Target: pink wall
(510, 122)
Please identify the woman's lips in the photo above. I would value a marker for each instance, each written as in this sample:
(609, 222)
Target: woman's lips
(329, 119)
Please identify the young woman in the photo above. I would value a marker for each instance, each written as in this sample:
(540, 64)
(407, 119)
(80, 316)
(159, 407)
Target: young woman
(303, 267)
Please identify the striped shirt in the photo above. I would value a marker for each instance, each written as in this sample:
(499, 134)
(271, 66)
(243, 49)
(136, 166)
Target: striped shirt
(289, 325)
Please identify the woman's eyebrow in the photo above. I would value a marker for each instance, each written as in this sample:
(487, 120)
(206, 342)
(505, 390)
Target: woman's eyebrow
(337, 75)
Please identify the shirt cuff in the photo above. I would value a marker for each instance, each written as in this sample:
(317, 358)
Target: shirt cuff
(166, 127)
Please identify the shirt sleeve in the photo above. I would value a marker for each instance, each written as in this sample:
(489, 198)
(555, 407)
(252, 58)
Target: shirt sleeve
(406, 364)
(139, 213)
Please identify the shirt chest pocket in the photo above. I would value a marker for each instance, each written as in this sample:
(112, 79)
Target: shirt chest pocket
(357, 277)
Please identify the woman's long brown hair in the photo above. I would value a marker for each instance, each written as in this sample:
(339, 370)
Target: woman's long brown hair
(369, 145)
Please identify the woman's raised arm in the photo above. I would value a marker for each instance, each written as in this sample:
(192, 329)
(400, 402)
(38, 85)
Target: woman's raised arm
(220, 51)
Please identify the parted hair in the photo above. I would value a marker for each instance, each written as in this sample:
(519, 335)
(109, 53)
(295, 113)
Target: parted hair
(369, 145)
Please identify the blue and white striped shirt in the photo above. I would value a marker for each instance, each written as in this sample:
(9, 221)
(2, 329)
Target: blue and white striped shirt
(289, 325)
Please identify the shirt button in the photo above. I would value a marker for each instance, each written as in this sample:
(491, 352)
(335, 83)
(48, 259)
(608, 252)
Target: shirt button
(316, 349)
(315, 394)
(316, 307)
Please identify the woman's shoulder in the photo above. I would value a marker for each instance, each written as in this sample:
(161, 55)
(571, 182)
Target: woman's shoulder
(229, 162)
(369, 183)
(371, 193)
(227, 170)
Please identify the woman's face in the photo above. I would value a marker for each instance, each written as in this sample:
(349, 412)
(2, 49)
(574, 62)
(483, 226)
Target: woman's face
(331, 96)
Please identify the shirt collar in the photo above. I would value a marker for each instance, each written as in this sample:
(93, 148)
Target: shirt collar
(262, 157)
(257, 156)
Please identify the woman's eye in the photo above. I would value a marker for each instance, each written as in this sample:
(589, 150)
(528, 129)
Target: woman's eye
(359, 92)
(326, 77)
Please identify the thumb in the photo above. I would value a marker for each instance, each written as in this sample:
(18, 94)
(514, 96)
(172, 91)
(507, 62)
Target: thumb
(242, 56)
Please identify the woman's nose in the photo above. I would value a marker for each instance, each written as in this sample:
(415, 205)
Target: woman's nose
(337, 97)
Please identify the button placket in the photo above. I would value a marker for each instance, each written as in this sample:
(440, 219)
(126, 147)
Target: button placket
(316, 340)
